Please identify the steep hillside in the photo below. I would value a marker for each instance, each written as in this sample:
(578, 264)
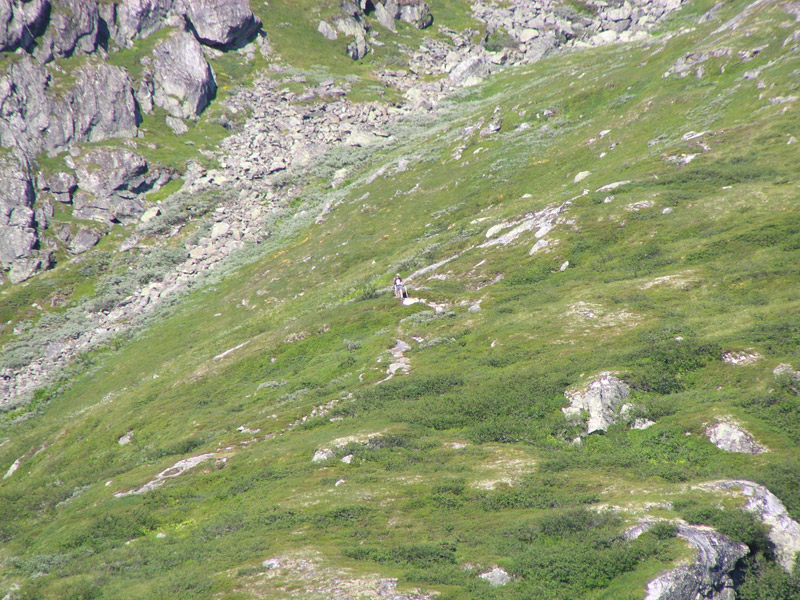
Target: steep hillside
(591, 392)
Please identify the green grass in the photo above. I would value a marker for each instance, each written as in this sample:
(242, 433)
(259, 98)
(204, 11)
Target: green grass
(472, 465)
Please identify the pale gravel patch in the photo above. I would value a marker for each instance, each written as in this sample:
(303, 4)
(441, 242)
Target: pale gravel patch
(306, 574)
(595, 316)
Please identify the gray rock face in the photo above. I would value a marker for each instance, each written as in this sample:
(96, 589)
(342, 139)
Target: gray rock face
(728, 435)
(33, 118)
(600, 400)
(21, 21)
(784, 531)
(708, 577)
(101, 105)
(130, 19)
(72, 30)
(222, 23)
(184, 82)
(17, 235)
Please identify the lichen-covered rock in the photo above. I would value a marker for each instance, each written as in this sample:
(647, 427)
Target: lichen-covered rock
(708, 577)
(726, 434)
(784, 531)
(21, 21)
(222, 23)
(184, 82)
(598, 402)
(101, 104)
(72, 30)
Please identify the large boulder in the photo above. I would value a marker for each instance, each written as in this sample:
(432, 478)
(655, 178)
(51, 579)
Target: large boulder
(386, 13)
(34, 118)
(726, 434)
(17, 234)
(111, 181)
(127, 20)
(709, 575)
(597, 403)
(183, 80)
(85, 239)
(72, 30)
(21, 21)
(222, 23)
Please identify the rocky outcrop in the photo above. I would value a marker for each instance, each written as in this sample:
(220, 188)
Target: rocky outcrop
(538, 27)
(17, 234)
(470, 71)
(61, 185)
(183, 80)
(597, 403)
(495, 577)
(709, 575)
(73, 29)
(353, 26)
(34, 118)
(726, 434)
(21, 21)
(127, 20)
(223, 24)
(111, 181)
(84, 240)
(328, 32)
(353, 21)
(784, 531)
(414, 12)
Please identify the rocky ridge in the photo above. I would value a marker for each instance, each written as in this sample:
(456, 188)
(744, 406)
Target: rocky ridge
(709, 575)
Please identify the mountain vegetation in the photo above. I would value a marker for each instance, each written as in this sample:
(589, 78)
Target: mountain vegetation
(592, 391)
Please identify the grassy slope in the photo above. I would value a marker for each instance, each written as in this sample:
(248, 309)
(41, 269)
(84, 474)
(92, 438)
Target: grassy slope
(493, 379)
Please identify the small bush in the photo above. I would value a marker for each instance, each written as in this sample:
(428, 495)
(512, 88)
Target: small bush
(664, 530)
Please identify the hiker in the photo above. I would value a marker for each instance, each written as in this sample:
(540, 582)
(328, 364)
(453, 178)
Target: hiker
(399, 287)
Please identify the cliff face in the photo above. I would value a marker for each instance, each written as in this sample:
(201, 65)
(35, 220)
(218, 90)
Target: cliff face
(45, 107)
